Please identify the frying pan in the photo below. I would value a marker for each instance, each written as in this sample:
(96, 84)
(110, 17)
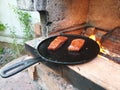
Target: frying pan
(89, 51)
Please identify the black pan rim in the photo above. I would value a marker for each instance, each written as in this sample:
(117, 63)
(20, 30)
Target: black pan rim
(68, 63)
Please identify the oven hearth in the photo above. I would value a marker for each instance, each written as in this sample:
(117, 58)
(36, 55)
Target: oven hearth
(89, 73)
(108, 40)
(98, 20)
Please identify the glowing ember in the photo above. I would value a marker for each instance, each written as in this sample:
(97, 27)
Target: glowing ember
(92, 37)
(102, 49)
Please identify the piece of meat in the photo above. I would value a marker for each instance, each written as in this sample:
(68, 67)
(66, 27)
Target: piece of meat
(76, 45)
(57, 42)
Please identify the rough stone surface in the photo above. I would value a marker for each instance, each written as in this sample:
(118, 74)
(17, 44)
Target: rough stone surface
(104, 13)
(40, 5)
(66, 13)
(51, 79)
(62, 14)
(25, 4)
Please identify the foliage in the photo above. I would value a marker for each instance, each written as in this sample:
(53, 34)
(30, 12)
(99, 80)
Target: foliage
(2, 27)
(17, 49)
(1, 50)
(25, 20)
(14, 44)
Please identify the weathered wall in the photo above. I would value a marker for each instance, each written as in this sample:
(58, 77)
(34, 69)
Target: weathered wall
(25, 4)
(104, 13)
(61, 13)
(65, 13)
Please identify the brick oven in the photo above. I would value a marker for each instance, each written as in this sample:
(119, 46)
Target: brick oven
(96, 19)
(72, 15)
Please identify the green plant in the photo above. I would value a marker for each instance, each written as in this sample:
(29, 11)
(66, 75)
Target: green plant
(2, 27)
(25, 20)
(1, 50)
(14, 44)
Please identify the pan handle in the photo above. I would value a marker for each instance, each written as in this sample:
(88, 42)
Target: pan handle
(11, 70)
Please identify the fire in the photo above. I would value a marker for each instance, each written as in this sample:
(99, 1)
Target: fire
(102, 49)
(92, 37)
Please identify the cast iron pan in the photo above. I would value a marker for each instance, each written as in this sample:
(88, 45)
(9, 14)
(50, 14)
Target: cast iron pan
(59, 56)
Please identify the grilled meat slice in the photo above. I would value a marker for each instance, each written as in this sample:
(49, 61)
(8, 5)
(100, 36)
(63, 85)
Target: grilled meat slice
(76, 45)
(57, 42)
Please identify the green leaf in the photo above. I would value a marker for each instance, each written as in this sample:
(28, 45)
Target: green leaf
(1, 50)
(2, 27)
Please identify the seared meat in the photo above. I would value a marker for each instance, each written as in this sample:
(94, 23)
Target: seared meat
(76, 45)
(57, 42)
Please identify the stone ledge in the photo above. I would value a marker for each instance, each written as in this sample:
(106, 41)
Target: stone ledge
(96, 74)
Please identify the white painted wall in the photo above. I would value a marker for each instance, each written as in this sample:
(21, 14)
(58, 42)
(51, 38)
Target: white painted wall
(7, 16)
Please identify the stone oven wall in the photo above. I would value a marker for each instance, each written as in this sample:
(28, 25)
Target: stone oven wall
(104, 13)
(67, 13)
(62, 14)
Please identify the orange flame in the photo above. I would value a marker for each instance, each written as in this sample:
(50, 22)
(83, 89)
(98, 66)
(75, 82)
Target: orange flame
(92, 37)
(102, 49)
